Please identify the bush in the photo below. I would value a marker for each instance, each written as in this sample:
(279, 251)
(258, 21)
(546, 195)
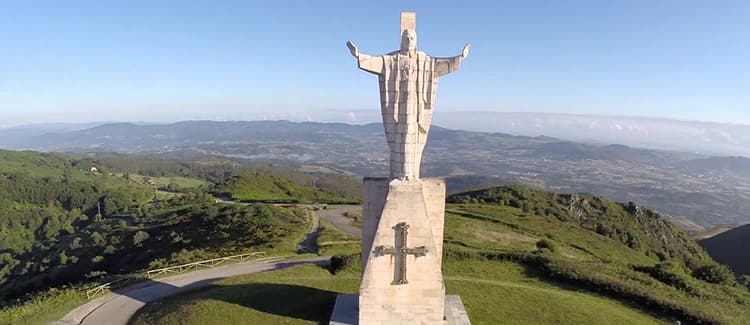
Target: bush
(714, 273)
(546, 245)
(745, 280)
(668, 273)
(342, 262)
(139, 237)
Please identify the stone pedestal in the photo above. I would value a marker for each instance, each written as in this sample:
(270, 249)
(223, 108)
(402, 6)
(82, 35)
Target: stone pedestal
(346, 311)
(402, 281)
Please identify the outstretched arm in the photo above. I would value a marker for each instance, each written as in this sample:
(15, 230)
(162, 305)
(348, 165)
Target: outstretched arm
(445, 66)
(372, 64)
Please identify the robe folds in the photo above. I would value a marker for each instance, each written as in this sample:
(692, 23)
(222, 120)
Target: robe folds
(408, 85)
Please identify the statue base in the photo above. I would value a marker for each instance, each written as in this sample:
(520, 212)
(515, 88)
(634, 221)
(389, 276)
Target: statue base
(346, 311)
(402, 252)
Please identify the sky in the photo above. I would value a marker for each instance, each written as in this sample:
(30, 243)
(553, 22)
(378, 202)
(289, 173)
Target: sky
(78, 61)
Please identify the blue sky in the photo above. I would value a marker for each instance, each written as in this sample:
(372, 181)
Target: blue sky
(74, 61)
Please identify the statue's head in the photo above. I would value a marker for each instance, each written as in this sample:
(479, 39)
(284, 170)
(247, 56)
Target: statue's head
(409, 40)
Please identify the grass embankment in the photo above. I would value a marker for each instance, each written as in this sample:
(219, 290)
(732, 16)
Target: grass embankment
(43, 308)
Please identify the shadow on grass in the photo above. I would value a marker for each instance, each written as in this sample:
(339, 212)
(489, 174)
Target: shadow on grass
(285, 300)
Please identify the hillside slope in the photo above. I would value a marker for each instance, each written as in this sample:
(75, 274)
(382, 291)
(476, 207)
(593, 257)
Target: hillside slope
(516, 256)
(260, 187)
(63, 223)
(731, 248)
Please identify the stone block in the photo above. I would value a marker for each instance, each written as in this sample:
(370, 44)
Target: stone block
(402, 202)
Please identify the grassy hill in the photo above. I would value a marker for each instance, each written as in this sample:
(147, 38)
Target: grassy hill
(516, 256)
(731, 248)
(261, 187)
(62, 225)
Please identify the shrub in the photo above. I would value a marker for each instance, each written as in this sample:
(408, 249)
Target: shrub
(745, 280)
(139, 237)
(546, 245)
(342, 262)
(714, 273)
(667, 272)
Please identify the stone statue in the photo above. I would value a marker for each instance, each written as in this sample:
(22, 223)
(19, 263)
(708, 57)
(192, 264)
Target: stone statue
(403, 215)
(408, 84)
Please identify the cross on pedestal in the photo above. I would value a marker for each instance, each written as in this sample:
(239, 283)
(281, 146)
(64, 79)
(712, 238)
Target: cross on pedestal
(400, 251)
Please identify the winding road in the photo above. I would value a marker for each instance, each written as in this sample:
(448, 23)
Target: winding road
(335, 214)
(118, 306)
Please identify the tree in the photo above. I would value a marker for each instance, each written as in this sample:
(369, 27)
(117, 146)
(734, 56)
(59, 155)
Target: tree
(63, 258)
(98, 239)
(140, 237)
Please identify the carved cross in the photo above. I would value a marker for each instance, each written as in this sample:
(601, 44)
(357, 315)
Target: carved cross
(400, 251)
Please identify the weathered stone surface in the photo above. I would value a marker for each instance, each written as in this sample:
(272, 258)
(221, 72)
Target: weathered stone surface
(388, 203)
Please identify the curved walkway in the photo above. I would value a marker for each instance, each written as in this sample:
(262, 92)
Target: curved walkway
(335, 214)
(117, 307)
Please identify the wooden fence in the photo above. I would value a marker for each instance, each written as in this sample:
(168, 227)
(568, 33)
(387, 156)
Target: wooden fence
(170, 270)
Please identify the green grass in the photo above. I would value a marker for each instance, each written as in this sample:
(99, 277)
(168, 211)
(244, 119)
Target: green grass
(493, 293)
(43, 309)
(332, 241)
(508, 293)
(259, 187)
(356, 217)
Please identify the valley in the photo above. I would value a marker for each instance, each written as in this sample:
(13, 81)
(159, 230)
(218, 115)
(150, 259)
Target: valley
(695, 190)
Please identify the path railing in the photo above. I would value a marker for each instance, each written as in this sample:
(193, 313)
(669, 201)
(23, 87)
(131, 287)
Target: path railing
(171, 270)
(111, 284)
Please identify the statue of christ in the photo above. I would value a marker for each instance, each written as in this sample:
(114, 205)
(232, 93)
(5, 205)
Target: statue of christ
(408, 83)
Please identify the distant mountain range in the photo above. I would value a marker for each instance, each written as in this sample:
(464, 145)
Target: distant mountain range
(655, 133)
(695, 189)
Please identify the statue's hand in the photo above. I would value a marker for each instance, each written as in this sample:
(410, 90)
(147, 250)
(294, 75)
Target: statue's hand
(353, 49)
(465, 52)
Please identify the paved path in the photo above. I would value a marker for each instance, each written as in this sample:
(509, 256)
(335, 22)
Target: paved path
(117, 307)
(309, 243)
(335, 214)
